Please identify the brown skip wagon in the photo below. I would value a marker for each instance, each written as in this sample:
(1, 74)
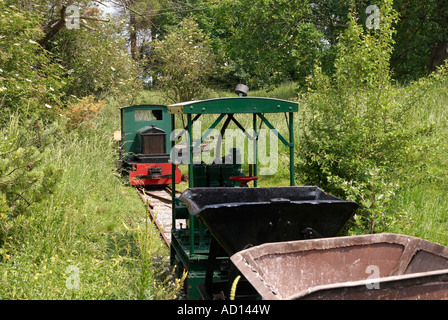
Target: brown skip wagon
(379, 266)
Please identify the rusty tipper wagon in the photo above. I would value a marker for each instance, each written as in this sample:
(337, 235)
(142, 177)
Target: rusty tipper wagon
(379, 266)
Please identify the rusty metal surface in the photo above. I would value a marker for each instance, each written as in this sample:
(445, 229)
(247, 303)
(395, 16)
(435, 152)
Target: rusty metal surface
(380, 266)
(431, 285)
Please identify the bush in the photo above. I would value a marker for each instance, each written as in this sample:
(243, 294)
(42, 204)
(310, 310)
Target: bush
(30, 79)
(358, 136)
(82, 111)
(24, 179)
(182, 62)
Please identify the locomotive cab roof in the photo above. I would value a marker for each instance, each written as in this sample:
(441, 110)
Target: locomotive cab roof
(234, 105)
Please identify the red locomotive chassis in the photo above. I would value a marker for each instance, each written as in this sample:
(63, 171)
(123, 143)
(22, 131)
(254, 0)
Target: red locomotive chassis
(153, 174)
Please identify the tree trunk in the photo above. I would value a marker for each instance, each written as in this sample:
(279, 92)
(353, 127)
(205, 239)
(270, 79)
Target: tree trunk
(53, 27)
(133, 35)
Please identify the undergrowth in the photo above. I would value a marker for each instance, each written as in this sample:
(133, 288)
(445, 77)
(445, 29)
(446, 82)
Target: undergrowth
(82, 240)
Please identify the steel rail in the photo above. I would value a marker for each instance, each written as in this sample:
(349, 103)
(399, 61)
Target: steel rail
(149, 198)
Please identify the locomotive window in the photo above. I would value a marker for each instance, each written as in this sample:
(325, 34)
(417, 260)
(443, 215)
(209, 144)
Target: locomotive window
(147, 115)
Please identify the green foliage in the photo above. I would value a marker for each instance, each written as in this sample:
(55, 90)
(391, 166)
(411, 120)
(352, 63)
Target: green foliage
(269, 42)
(24, 178)
(30, 79)
(80, 226)
(182, 62)
(358, 136)
(74, 63)
(95, 60)
(422, 26)
(266, 42)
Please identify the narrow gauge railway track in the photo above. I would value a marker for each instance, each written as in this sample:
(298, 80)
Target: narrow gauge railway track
(159, 201)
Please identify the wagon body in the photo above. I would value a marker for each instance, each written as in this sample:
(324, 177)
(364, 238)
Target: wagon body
(380, 266)
(242, 217)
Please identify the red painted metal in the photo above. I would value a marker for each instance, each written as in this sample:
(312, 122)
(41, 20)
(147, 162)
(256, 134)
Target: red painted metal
(244, 180)
(139, 176)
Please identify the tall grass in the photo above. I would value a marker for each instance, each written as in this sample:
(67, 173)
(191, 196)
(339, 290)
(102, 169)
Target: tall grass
(422, 205)
(81, 243)
(424, 212)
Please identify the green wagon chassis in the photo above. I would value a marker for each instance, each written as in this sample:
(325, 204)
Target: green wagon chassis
(190, 246)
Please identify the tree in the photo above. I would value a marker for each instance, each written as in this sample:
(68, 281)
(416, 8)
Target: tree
(269, 41)
(182, 62)
(95, 60)
(423, 25)
(421, 28)
(358, 135)
(55, 15)
(141, 27)
(31, 81)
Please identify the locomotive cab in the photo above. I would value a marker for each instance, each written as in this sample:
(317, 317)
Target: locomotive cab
(144, 145)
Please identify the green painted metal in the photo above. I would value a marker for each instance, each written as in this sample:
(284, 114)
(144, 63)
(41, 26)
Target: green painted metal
(270, 126)
(209, 130)
(190, 245)
(254, 120)
(196, 265)
(137, 117)
(234, 105)
(291, 148)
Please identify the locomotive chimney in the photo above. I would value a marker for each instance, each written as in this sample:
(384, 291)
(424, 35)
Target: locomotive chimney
(241, 90)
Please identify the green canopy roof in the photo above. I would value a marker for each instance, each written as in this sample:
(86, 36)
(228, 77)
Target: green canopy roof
(234, 105)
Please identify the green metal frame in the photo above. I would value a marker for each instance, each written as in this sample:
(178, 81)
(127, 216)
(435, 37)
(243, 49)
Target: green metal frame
(190, 246)
(234, 105)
